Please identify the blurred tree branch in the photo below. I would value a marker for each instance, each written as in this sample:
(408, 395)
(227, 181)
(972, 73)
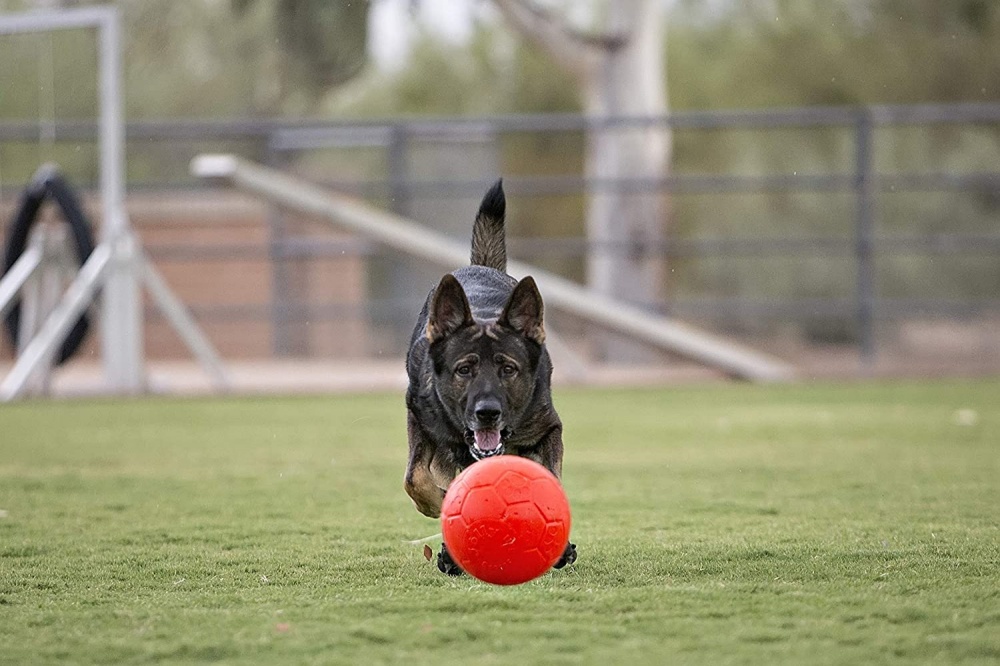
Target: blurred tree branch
(576, 51)
(325, 42)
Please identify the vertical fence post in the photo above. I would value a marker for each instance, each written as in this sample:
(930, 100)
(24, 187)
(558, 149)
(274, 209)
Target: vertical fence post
(399, 196)
(396, 270)
(864, 187)
(280, 293)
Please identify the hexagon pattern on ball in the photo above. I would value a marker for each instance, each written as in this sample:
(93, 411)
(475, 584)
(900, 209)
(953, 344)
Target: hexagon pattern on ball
(505, 520)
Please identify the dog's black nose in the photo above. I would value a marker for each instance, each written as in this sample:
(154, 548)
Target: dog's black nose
(488, 411)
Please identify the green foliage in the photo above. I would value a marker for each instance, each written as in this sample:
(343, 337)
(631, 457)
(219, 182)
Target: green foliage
(436, 82)
(199, 58)
(817, 52)
(41, 75)
(719, 524)
(195, 57)
(323, 43)
(174, 69)
(487, 77)
(814, 52)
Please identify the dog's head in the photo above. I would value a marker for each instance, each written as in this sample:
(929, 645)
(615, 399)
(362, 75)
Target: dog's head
(485, 370)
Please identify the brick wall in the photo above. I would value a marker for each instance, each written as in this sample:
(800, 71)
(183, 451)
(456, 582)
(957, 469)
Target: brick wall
(212, 249)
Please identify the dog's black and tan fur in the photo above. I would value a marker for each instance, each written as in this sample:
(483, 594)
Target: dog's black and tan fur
(479, 373)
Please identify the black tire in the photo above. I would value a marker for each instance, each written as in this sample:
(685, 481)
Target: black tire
(53, 185)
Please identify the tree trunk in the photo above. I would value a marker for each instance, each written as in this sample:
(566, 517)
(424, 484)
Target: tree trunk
(625, 220)
(621, 74)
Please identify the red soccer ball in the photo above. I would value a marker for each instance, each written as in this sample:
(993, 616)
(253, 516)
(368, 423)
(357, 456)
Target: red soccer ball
(505, 520)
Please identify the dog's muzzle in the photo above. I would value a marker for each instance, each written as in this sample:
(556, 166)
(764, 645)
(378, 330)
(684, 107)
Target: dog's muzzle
(486, 442)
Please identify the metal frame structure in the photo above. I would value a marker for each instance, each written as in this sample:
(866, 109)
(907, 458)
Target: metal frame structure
(865, 182)
(118, 265)
(864, 308)
(278, 142)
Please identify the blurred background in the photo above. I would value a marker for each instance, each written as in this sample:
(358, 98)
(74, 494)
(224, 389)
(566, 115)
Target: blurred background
(816, 179)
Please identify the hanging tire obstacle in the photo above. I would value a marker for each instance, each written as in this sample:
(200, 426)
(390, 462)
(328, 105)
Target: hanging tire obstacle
(48, 183)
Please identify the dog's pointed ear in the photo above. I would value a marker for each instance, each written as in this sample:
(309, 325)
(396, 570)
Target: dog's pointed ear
(449, 311)
(524, 311)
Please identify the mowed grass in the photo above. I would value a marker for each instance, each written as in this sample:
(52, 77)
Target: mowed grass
(719, 524)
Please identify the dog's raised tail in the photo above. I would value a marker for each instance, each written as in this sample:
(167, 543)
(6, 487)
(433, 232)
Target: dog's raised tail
(489, 244)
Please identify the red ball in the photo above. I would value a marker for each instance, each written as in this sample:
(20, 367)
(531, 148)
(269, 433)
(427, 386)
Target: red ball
(505, 520)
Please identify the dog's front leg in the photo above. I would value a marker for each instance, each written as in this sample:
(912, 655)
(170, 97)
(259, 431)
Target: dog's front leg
(568, 556)
(446, 564)
(419, 481)
(549, 453)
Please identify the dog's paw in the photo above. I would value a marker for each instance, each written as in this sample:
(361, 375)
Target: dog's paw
(568, 556)
(448, 566)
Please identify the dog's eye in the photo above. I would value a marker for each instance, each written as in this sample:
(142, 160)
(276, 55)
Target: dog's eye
(508, 370)
(464, 370)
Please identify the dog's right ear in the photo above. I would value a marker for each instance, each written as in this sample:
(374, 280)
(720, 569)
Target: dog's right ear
(450, 309)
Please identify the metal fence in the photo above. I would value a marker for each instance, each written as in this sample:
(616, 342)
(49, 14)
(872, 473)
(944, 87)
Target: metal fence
(393, 175)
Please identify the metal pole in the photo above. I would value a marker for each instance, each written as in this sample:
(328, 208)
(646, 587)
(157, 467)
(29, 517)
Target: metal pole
(280, 293)
(46, 20)
(56, 265)
(864, 237)
(399, 196)
(406, 236)
(22, 271)
(122, 323)
(182, 321)
(41, 348)
(122, 334)
(117, 264)
(393, 276)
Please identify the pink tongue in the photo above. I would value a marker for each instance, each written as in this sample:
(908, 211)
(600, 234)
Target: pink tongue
(487, 440)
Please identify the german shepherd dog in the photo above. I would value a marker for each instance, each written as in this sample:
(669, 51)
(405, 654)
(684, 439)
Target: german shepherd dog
(479, 374)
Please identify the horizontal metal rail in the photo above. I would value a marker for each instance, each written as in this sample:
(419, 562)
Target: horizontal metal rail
(857, 185)
(678, 184)
(65, 19)
(574, 247)
(300, 133)
(718, 309)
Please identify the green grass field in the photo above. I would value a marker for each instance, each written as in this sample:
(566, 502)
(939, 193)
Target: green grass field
(720, 524)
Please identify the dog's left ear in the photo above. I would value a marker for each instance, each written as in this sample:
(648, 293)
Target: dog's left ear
(523, 311)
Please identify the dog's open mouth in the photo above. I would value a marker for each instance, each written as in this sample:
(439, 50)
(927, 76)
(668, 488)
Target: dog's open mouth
(486, 442)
